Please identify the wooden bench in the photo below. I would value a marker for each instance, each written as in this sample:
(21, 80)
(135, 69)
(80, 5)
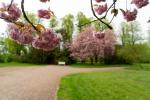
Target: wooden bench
(61, 63)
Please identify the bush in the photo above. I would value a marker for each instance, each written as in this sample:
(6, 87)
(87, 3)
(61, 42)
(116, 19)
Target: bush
(65, 56)
(1, 58)
(41, 57)
(130, 54)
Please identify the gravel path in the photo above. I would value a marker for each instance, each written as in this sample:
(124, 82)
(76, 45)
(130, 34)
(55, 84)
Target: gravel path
(36, 83)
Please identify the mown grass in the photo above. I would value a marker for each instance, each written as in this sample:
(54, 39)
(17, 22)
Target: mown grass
(16, 64)
(123, 85)
(143, 66)
(137, 66)
(80, 65)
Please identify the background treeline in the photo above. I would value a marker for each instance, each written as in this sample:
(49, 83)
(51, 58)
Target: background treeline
(131, 46)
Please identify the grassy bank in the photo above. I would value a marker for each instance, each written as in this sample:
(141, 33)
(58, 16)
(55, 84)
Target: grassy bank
(16, 64)
(138, 66)
(124, 85)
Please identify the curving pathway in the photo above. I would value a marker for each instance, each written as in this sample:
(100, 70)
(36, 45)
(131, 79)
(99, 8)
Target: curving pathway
(36, 83)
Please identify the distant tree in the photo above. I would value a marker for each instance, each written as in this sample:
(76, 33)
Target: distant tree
(148, 36)
(134, 32)
(2, 44)
(129, 33)
(68, 25)
(63, 34)
(11, 13)
(100, 26)
(41, 57)
(14, 48)
(81, 20)
(53, 22)
(33, 18)
(90, 44)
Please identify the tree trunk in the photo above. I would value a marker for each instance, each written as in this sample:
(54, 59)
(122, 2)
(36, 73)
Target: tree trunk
(96, 59)
(83, 61)
(91, 61)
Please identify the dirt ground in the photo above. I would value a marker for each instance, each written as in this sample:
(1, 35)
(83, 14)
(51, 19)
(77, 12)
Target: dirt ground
(36, 83)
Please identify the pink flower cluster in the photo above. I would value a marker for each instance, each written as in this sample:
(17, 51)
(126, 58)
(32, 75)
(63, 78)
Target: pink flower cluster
(44, 14)
(22, 35)
(140, 3)
(46, 41)
(129, 15)
(44, 0)
(109, 41)
(89, 43)
(99, 35)
(100, 9)
(100, 1)
(10, 13)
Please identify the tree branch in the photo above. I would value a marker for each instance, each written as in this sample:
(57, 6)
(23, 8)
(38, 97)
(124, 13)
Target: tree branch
(10, 4)
(87, 23)
(25, 16)
(100, 19)
(114, 3)
(103, 17)
(11, 21)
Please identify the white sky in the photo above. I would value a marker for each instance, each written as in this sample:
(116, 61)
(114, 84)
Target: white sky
(63, 7)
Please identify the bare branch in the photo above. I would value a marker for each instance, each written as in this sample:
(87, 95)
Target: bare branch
(114, 3)
(10, 4)
(100, 19)
(103, 17)
(87, 23)
(25, 16)
(11, 21)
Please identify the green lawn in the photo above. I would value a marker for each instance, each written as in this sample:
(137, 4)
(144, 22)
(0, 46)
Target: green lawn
(142, 66)
(123, 85)
(79, 65)
(16, 64)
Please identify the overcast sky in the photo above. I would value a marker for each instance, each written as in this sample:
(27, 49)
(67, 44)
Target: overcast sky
(63, 7)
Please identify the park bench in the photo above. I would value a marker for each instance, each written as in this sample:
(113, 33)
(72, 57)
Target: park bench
(61, 63)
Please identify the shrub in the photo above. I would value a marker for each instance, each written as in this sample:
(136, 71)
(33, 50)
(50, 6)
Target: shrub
(130, 54)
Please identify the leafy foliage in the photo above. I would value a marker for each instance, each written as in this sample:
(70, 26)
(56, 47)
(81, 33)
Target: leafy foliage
(138, 53)
(68, 25)
(130, 33)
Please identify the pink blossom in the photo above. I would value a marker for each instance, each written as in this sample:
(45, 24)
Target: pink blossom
(99, 35)
(129, 15)
(140, 3)
(100, 9)
(11, 14)
(44, 14)
(89, 43)
(44, 0)
(100, 1)
(109, 42)
(48, 40)
(22, 35)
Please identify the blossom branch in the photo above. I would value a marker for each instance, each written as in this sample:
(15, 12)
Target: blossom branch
(114, 3)
(25, 16)
(87, 23)
(10, 4)
(10, 21)
(100, 19)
